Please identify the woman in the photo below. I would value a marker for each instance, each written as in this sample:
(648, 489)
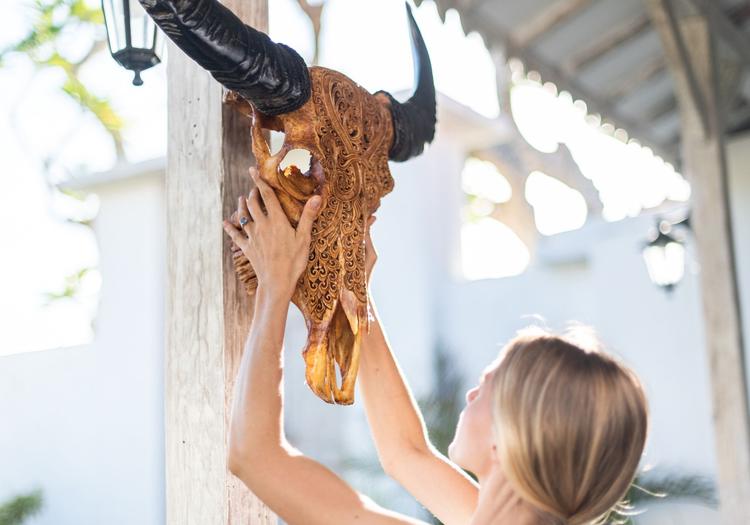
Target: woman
(553, 431)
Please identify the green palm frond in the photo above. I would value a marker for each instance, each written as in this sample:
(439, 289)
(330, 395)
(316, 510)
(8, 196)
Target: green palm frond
(71, 286)
(20, 508)
(50, 20)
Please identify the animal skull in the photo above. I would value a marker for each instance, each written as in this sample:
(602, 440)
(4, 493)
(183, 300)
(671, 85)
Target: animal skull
(350, 135)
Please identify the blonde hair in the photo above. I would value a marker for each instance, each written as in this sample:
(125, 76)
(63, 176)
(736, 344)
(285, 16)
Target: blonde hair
(569, 425)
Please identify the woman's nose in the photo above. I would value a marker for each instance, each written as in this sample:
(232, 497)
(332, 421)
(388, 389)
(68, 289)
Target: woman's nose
(471, 394)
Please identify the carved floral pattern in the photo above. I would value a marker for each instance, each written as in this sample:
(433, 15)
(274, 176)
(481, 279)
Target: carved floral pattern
(349, 132)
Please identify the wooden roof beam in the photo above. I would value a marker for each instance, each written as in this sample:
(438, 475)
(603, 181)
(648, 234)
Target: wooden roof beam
(662, 108)
(722, 27)
(494, 36)
(612, 39)
(739, 117)
(705, 168)
(547, 18)
(686, 65)
(633, 82)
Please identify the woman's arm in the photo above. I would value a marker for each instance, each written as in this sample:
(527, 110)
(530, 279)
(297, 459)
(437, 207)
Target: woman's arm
(399, 432)
(298, 489)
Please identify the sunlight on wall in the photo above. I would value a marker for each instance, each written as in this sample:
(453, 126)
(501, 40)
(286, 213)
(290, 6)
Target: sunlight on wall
(557, 207)
(536, 115)
(628, 177)
(481, 178)
(51, 284)
(489, 248)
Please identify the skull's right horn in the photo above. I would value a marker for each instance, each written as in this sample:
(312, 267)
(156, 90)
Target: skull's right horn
(273, 77)
(414, 120)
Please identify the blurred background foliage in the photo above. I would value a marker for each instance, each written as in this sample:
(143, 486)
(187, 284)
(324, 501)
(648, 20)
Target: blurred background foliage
(20, 508)
(50, 21)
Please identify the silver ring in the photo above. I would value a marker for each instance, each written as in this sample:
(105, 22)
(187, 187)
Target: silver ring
(244, 220)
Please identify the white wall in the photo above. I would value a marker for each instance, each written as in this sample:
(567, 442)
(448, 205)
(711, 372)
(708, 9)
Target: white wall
(85, 424)
(660, 336)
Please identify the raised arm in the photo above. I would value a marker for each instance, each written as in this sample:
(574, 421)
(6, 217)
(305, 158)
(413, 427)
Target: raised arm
(398, 429)
(298, 489)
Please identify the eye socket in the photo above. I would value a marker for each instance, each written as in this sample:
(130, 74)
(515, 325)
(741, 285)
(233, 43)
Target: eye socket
(298, 157)
(277, 139)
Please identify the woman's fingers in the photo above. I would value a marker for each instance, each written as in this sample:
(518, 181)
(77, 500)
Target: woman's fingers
(252, 203)
(269, 197)
(242, 214)
(234, 233)
(310, 211)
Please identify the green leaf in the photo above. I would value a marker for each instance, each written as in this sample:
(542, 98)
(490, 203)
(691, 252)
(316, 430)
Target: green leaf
(20, 508)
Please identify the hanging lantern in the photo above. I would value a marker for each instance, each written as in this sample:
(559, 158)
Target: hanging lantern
(132, 36)
(665, 258)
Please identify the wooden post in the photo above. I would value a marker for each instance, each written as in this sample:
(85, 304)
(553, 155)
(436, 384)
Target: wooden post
(208, 314)
(704, 164)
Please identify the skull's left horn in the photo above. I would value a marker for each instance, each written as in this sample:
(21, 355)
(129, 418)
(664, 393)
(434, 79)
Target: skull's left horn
(414, 120)
(272, 76)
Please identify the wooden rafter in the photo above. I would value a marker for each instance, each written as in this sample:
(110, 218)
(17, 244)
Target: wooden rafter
(611, 39)
(467, 6)
(636, 80)
(739, 117)
(555, 13)
(687, 65)
(723, 27)
(662, 108)
(495, 36)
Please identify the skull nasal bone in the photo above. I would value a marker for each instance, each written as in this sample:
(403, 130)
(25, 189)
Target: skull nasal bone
(299, 157)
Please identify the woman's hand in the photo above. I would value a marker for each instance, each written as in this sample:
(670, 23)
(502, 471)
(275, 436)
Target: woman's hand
(277, 252)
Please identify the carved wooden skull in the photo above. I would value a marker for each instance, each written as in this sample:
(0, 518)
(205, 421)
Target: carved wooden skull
(350, 135)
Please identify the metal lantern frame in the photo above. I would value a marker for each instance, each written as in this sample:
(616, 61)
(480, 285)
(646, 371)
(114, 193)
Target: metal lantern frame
(662, 239)
(135, 59)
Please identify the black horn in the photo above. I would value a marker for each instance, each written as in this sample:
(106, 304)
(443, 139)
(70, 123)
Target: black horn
(414, 120)
(272, 76)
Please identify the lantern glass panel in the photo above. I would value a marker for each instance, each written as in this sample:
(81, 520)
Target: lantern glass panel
(114, 16)
(665, 263)
(142, 28)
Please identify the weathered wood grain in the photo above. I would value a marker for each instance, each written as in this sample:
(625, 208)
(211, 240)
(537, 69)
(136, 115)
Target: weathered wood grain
(704, 164)
(208, 314)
